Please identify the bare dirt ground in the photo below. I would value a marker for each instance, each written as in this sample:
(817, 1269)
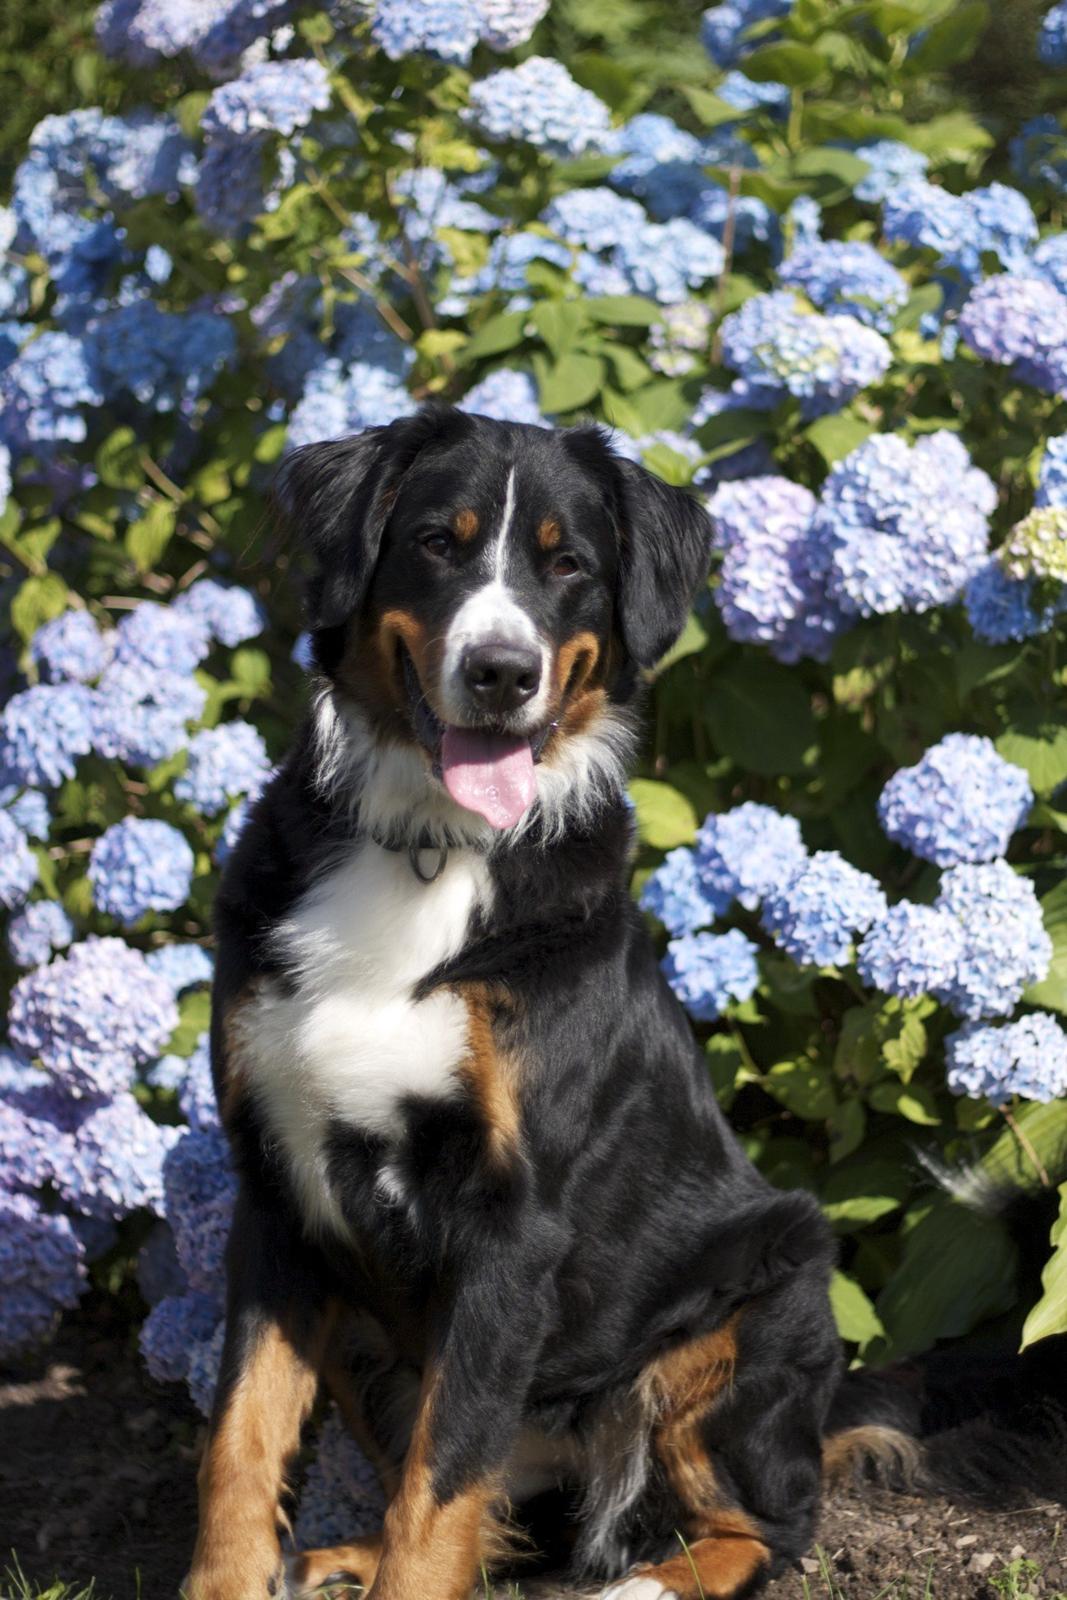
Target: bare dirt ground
(97, 1467)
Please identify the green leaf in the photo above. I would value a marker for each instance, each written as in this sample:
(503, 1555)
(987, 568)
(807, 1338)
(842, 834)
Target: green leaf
(863, 1191)
(913, 1101)
(118, 460)
(194, 1015)
(1038, 744)
(250, 670)
(726, 1065)
(952, 39)
(954, 137)
(857, 1320)
(559, 323)
(570, 383)
(841, 165)
(623, 310)
(694, 637)
(500, 333)
(148, 537)
(709, 110)
(803, 1087)
(794, 64)
(1052, 990)
(1010, 1165)
(957, 1269)
(760, 716)
(846, 1128)
(1049, 1315)
(665, 818)
(836, 436)
(38, 600)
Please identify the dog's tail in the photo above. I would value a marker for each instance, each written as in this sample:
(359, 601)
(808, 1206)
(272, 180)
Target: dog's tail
(987, 1428)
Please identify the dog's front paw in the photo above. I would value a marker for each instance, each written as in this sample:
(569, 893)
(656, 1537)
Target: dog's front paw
(355, 1563)
(234, 1581)
(638, 1589)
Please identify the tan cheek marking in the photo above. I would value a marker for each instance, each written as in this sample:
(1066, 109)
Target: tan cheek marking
(679, 1387)
(489, 1073)
(576, 661)
(549, 533)
(465, 524)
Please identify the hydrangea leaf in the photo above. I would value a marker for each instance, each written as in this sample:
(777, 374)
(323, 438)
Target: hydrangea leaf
(501, 333)
(952, 39)
(760, 716)
(797, 65)
(958, 1269)
(1039, 745)
(623, 310)
(149, 536)
(1009, 1164)
(1049, 1315)
(665, 818)
(1052, 990)
(38, 600)
(834, 437)
(857, 1320)
(913, 1101)
(863, 1191)
(803, 1087)
(569, 383)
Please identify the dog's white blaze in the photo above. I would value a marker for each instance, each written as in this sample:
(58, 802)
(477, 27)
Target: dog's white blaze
(500, 545)
(351, 1043)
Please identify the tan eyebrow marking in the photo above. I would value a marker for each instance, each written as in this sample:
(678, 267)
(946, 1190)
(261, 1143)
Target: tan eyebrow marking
(549, 533)
(465, 523)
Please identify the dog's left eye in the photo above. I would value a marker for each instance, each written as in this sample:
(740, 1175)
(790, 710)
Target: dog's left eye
(565, 566)
(438, 544)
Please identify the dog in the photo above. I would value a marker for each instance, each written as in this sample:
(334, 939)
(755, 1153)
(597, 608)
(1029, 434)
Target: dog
(487, 1199)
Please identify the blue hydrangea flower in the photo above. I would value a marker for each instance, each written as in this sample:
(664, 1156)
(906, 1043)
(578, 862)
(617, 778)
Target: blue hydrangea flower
(667, 259)
(26, 1143)
(166, 360)
(139, 716)
(1019, 321)
(778, 349)
(1027, 1058)
(905, 528)
(224, 762)
(817, 914)
(43, 393)
(680, 338)
(849, 276)
(746, 95)
(43, 926)
(339, 400)
(723, 27)
(1052, 39)
(657, 157)
(43, 731)
(505, 24)
(200, 1188)
(196, 1090)
(69, 648)
(752, 460)
(912, 950)
(162, 639)
(539, 103)
(959, 229)
(1036, 547)
(675, 894)
(448, 29)
(509, 257)
(172, 1328)
(214, 32)
(18, 864)
(111, 1164)
(1052, 480)
(961, 802)
(891, 163)
(268, 97)
(1003, 610)
(1039, 153)
(29, 809)
(139, 865)
(230, 614)
(342, 1496)
(183, 966)
(774, 576)
(202, 1374)
(5, 468)
(237, 179)
(708, 970)
(1005, 946)
(93, 1016)
(595, 218)
(506, 395)
(41, 1267)
(752, 219)
(744, 853)
(1049, 260)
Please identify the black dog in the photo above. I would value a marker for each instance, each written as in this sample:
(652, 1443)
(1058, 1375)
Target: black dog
(487, 1195)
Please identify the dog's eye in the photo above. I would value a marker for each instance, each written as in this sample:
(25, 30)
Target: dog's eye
(438, 543)
(565, 566)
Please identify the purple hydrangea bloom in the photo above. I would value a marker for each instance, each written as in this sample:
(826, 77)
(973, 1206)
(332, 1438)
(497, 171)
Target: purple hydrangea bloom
(43, 731)
(200, 1189)
(26, 1141)
(140, 715)
(184, 966)
(268, 97)
(43, 926)
(709, 970)
(18, 864)
(745, 853)
(1052, 39)
(540, 104)
(230, 614)
(1005, 946)
(777, 350)
(961, 802)
(70, 648)
(506, 395)
(891, 164)
(774, 577)
(162, 639)
(196, 1090)
(342, 1497)
(448, 29)
(1003, 610)
(93, 1016)
(817, 914)
(912, 950)
(905, 528)
(172, 1328)
(1019, 321)
(41, 1268)
(847, 276)
(224, 762)
(202, 1374)
(139, 865)
(1027, 1058)
(111, 1162)
(674, 893)
(1052, 481)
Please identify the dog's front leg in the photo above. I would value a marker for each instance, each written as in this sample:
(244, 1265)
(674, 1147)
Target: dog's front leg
(277, 1326)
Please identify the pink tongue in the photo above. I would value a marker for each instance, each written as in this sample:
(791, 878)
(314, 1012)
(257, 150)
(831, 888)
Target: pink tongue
(489, 773)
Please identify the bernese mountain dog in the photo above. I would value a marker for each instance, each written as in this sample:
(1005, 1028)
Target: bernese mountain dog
(487, 1199)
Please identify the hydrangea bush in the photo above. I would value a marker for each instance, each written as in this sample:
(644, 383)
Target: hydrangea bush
(795, 276)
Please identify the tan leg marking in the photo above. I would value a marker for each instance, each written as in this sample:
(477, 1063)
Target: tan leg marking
(488, 1073)
(358, 1562)
(242, 1474)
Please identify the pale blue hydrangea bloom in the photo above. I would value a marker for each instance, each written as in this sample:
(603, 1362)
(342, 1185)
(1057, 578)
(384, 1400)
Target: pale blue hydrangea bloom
(674, 893)
(777, 349)
(339, 400)
(1052, 39)
(161, 638)
(1019, 321)
(745, 95)
(224, 763)
(1052, 481)
(507, 396)
(448, 29)
(214, 32)
(960, 229)
(746, 852)
(1003, 610)
(505, 24)
(18, 864)
(139, 865)
(912, 950)
(709, 970)
(29, 808)
(111, 1161)
(1005, 945)
(891, 163)
(539, 103)
(26, 1142)
(961, 802)
(44, 392)
(268, 97)
(42, 1269)
(596, 218)
(724, 27)
(43, 731)
(40, 928)
(140, 716)
(847, 276)
(231, 615)
(165, 360)
(818, 913)
(680, 338)
(184, 966)
(70, 648)
(666, 259)
(1027, 1058)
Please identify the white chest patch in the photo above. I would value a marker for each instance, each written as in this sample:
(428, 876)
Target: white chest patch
(352, 1044)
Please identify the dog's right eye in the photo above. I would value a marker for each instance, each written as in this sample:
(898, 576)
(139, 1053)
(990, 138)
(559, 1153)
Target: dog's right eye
(437, 543)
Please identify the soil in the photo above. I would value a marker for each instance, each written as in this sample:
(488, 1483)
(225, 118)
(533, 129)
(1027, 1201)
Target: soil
(98, 1462)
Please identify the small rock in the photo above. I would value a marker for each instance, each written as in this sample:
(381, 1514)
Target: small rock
(981, 1562)
(965, 1539)
(1018, 1553)
(910, 1520)
(808, 1564)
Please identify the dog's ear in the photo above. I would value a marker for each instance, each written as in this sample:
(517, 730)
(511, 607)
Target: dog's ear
(664, 559)
(335, 498)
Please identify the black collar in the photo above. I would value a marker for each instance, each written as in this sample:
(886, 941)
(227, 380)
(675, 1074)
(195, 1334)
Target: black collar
(425, 844)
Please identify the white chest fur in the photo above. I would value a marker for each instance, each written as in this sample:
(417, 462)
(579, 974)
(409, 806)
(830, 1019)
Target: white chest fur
(352, 1043)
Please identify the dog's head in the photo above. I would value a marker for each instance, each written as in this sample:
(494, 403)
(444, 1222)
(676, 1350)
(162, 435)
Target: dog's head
(484, 595)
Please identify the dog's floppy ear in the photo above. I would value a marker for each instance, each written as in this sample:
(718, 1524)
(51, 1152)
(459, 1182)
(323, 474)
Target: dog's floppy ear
(336, 496)
(664, 558)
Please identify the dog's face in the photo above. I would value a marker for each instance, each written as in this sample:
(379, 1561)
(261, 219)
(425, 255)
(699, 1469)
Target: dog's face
(486, 591)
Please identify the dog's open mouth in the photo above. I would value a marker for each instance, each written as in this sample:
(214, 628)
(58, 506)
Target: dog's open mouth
(485, 770)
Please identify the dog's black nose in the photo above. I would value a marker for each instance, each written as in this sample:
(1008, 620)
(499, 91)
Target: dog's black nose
(501, 677)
